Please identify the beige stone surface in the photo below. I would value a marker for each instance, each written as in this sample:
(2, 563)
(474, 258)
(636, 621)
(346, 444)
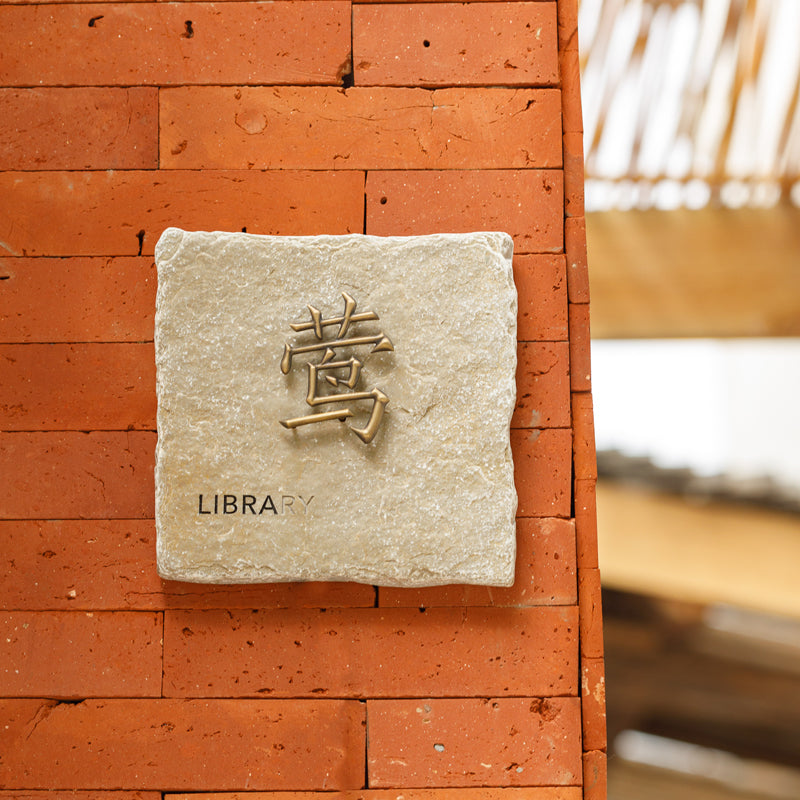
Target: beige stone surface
(430, 500)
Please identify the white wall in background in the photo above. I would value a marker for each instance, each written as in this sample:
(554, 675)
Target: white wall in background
(716, 406)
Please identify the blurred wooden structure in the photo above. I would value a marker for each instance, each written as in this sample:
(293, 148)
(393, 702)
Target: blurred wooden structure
(692, 135)
(690, 103)
(713, 272)
(701, 552)
(723, 683)
(692, 138)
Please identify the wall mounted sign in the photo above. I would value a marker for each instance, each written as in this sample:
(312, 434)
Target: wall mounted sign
(335, 408)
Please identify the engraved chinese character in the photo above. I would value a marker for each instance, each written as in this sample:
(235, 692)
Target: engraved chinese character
(328, 365)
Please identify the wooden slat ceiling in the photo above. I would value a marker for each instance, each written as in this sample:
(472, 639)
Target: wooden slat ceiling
(692, 139)
(690, 103)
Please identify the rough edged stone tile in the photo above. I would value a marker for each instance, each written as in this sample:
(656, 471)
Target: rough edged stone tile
(429, 500)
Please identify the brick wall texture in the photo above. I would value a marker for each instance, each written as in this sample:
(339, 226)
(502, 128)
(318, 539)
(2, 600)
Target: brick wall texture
(287, 117)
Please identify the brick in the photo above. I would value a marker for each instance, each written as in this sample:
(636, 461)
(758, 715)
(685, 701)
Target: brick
(135, 44)
(327, 128)
(492, 44)
(591, 614)
(77, 299)
(48, 2)
(453, 2)
(542, 298)
(580, 358)
(571, 113)
(484, 793)
(586, 522)
(545, 574)
(577, 264)
(182, 745)
(593, 704)
(542, 385)
(109, 386)
(371, 652)
(106, 128)
(111, 564)
(573, 175)
(72, 794)
(268, 595)
(108, 213)
(528, 204)
(595, 775)
(543, 471)
(79, 564)
(456, 742)
(77, 475)
(567, 25)
(584, 457)
(99, 654)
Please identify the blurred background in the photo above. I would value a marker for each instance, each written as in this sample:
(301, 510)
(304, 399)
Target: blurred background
(692, 145)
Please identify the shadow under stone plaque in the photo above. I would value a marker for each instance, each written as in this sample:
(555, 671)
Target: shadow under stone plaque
(335, 408)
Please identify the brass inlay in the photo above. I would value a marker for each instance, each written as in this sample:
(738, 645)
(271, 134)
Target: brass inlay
(328, 363)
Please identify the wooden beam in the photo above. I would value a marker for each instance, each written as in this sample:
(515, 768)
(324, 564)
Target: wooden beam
(634, 782)
(668, 546)
(708, 273)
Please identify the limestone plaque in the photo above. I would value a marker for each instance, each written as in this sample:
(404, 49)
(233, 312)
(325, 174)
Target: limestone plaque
(335, 408)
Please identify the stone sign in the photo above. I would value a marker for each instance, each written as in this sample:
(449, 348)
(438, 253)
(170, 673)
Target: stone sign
(335, 408)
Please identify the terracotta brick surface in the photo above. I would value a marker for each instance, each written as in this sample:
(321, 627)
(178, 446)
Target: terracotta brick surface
(586, 521)
(545, 574)
(75, 795)
(542, 298)
(98, 654)
(295, 117)
(507, 741)
(77, 475)
(328, 128)
(80, 128)
(595, 775)
(77, 299)
(110, 564)
(124, 213)
(593, 704)
(134, 44)
(584, 459)
(385, 652)
(542, 385)
(78, 564)
(265, 595)
(580, 369)
(181, 745)
(476, 43)
(577, 267)
(571, 112)
(591, 613)
(365, 2)
(573, 175)
(567, 25)
(77, 387)
(484, 793)
(542, 471)
(528, 204)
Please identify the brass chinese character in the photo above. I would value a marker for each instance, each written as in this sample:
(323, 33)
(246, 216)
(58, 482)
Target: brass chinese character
(329, 362)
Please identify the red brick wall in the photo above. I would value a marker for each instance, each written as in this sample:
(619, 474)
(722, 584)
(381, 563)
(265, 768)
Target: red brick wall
(119, 119)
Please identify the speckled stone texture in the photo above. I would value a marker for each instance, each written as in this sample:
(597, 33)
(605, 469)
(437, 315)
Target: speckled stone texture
(429, 500)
